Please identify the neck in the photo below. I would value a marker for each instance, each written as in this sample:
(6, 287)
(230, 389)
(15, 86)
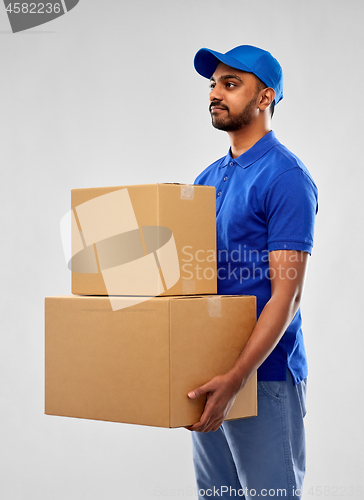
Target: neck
(243, 139)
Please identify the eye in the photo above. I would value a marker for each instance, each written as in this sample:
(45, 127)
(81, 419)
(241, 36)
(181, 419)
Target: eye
(212, 85)
(230, 85)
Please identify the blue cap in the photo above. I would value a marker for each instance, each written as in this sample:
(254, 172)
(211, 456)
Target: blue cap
(245, 58)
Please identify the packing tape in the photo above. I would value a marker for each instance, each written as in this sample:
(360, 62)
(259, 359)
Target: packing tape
(214, 307)
(187, 191)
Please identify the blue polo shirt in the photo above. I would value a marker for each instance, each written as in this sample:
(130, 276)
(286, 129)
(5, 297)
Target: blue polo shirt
(265, 200)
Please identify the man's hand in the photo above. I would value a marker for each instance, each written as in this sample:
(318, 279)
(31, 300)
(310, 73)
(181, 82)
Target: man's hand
(221, 393)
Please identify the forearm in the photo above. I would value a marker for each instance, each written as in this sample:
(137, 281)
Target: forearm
(271, 325)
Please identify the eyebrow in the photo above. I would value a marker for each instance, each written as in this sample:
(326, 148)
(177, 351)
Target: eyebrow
(226, 77)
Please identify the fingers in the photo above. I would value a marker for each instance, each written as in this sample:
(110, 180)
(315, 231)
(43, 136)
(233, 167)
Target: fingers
(200, 391)
(213, 414)
(208, 421)
(206, 415)
(217, 426)
(201, 425)
(211, 426)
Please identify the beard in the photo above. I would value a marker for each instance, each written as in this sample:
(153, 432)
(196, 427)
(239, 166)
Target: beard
(232, 124)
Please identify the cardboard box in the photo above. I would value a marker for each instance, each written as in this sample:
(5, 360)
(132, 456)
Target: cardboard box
(151, 239)
(137, 364)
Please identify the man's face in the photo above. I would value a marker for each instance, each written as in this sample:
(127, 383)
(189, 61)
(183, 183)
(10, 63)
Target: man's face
(233, 98)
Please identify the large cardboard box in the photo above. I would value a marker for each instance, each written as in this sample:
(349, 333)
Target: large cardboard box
(137, 364)
(151, 239)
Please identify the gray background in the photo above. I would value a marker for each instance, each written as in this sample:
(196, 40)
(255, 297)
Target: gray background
(107, 95)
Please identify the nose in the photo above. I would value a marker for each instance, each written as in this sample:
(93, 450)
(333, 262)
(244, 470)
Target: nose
(215, 94)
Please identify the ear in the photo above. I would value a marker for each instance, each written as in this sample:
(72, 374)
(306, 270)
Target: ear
(266, 97)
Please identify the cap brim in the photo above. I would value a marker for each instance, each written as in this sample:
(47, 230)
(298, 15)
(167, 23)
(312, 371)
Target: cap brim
(206, 62)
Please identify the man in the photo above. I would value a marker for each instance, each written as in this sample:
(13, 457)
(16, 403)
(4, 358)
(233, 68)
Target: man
(266, 202)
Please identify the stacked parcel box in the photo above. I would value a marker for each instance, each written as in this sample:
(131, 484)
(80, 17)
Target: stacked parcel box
(144, 326)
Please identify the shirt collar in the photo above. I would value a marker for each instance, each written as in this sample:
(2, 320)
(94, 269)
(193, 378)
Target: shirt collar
(253, 154)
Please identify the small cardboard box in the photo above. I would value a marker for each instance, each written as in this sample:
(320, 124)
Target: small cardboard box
(137, 364)
(151, 239)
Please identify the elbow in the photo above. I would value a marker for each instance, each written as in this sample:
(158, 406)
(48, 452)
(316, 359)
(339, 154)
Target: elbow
(288, 301)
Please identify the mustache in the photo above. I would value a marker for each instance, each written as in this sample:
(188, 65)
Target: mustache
(217, 103)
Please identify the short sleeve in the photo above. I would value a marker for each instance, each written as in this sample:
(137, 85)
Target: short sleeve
(291, 207)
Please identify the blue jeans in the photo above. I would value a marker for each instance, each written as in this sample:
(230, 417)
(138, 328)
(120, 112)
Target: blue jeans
(258, 456)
